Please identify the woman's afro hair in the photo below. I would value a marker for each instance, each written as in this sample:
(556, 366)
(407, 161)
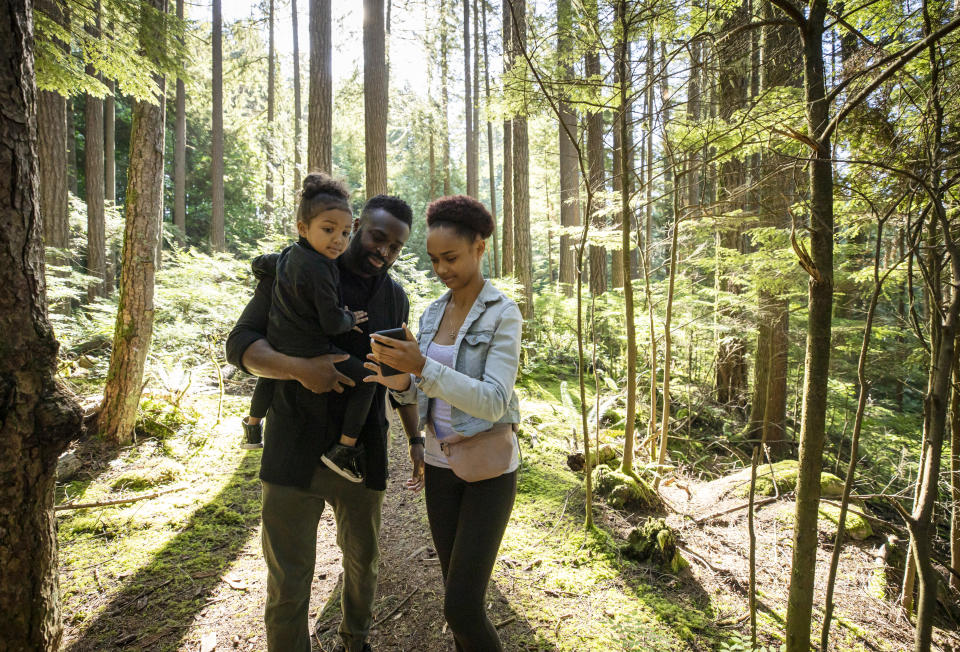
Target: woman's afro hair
(465, 214)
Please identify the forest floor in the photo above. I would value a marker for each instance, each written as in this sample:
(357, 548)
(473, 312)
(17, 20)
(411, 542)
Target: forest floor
(184, 570)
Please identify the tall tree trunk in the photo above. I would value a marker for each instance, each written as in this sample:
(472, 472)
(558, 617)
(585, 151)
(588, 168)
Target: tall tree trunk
(375, 97)
(734, 85)
(508, 244)
(595, 157)
(862, 392)
(271, 100)
(569, 159)
(955, 472)
(180, 156)
(110, 144)
(143, 215)
(476, 93)
(921, 525)
(775, 195)
(490, 163)
(40, 418)
(623, 68)
(52, 132)
(523, 250)
(52, 135)
(93, 178)
(320, 111)
(445, 97)
(470, 142)
(297, 109)
(217, 223)
(817, 357)
(72, 165)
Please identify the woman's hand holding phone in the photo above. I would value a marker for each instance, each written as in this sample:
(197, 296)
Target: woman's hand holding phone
(395, 355)
(400, 355)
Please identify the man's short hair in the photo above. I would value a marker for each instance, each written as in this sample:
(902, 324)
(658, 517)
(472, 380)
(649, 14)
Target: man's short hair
(391, 204)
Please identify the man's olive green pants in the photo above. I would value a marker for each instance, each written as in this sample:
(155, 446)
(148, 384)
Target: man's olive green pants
(290, 519)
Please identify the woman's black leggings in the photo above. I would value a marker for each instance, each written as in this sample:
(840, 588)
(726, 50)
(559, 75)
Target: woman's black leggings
(467, 521)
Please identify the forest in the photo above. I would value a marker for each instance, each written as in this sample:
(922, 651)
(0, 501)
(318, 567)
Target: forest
(732, 228)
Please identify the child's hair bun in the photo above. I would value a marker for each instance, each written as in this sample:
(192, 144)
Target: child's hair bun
(319, 183)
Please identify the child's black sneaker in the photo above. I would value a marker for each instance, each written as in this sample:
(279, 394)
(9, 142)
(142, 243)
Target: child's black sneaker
(344, 461)
(252, 435)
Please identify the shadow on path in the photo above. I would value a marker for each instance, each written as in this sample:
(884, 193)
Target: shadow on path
(157, 605)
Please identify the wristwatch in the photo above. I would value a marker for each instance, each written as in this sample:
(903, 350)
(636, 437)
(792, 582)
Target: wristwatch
(417, 440)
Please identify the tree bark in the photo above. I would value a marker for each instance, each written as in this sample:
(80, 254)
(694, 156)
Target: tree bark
(135, 312)
(40, 418)
(320, 111)
(297, 109)
(595, 156)
(569, 163)
(523, 250)
(623, 68)
(72, 165)
(110, 144)
(180, 156)
(471, 145)
(955, 472)
(218, 238)
(93, 181)
(490, 163)
(817, 357)
(734, 85)
(775, 195)
(271, 101)
(506, 253)
(375, 97)
(52, 133)
(445, 97)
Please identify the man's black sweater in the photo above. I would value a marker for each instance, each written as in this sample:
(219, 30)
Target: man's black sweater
(295, 439)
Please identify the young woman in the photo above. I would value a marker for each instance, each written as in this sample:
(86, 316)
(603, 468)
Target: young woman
(461, 370)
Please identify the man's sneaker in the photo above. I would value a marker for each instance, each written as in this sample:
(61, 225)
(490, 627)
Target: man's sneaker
(345, 461)
(252, 435)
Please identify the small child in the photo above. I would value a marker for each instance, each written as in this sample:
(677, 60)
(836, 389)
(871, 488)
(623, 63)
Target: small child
(306, 312)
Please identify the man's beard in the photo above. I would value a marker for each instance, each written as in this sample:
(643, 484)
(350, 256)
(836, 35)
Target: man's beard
(360, 258)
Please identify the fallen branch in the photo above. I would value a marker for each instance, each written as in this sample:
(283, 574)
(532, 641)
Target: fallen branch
(700, 558)
(395, 609)
(118, 501)
(505, 621)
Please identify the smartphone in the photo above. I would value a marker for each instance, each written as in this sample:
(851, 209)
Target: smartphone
(395, 334)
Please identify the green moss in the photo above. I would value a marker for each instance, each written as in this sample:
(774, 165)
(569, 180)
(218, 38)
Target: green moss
(655, 542)
(163, 472)
(785, 472)
(625, 491)
(855, 526)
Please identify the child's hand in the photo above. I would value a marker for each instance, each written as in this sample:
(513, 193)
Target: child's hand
(359, 317)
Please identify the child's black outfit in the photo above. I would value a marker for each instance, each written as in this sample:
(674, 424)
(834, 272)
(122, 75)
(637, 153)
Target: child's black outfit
(306, 312)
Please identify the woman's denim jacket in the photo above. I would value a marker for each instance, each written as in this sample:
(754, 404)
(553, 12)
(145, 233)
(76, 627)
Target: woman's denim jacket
(479, 388)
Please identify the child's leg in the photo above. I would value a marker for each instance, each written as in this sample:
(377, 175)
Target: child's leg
(260, 402)
(358, 400)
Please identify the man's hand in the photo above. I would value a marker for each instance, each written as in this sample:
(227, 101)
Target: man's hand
(319, 374)
(415, 481)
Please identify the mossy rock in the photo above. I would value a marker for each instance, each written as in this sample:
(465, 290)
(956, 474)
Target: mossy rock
(608, 455)
(785, 472)
(857, 527)
(164, 472)
(624, 491)
(655, 543)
